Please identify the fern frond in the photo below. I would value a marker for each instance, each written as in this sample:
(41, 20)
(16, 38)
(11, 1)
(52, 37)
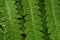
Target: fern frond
(11, 28)
(33, 20)
(29, 19)
(53, 18)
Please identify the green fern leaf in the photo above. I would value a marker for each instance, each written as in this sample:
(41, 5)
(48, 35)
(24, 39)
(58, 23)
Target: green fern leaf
(33, 20)
(29, 19)
(53, 18)
(10, 22)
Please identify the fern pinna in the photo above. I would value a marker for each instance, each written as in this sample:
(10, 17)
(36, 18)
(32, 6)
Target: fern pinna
(29, 20)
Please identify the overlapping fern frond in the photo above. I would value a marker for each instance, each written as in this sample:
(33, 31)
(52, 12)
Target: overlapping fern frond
(29, 20)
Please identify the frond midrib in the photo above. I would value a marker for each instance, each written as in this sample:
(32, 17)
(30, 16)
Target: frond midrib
(53, 11)
(31, 11)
